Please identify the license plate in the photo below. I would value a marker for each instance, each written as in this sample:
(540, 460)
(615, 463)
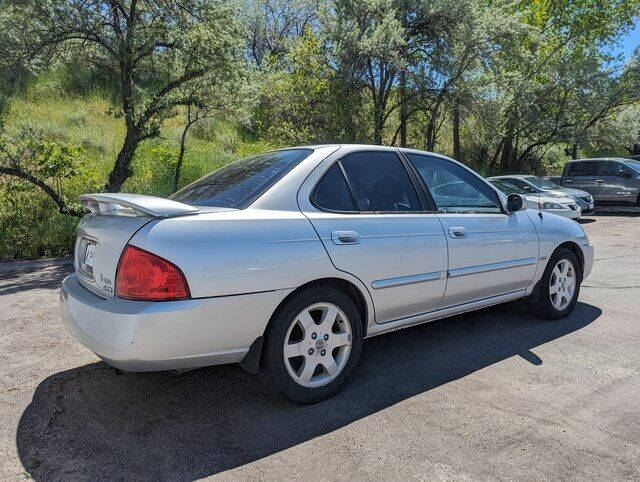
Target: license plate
(88, 254)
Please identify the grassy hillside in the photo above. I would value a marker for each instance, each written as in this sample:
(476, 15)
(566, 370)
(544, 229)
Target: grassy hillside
(30, 225)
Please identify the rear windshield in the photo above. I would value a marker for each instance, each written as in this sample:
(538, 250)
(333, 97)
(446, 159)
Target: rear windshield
(237, 185)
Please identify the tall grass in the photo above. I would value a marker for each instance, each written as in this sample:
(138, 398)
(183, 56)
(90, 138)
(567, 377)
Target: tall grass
(68, 107)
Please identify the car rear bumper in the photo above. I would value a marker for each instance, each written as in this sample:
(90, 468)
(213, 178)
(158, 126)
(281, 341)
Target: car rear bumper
(148, 336)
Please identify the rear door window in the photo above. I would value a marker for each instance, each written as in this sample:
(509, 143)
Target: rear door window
(525, 186)
(608, 168)
(380, 182)
(585, 168)
(239, 184)
(332, 192)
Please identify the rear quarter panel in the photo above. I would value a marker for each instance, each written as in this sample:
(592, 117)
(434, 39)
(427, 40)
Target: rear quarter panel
(237, 252)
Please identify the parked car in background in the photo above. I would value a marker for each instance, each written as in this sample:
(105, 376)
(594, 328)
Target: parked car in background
(557, 180)
(536, 185)
(610, 180)
(287, 260)
(562, 206)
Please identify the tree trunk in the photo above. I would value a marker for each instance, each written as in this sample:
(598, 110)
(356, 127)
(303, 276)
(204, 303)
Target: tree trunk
(403, 109)
(457, 154)
(48, 190)
(378, 124)
(574, 151)
(507, 155)
(183, 139)
(122, 168)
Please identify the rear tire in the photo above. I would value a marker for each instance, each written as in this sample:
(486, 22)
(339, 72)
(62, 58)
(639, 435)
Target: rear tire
(312, 344)
(559, 286)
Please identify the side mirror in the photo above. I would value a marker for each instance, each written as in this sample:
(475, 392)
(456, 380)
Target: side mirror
(515, 202)
(625, 173)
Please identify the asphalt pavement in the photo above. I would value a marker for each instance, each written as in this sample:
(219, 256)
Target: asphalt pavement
(491, 394)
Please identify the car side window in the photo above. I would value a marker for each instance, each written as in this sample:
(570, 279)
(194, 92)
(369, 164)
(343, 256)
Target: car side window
(380, 182)
(587, 168)
(608, 168)
(521, 184)
(453, 188)
(332, 192)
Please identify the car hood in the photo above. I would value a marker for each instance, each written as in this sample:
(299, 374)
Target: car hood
(533, 199)
(564, 191)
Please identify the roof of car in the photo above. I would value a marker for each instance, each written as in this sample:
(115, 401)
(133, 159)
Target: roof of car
(599, 159)
(506, 176)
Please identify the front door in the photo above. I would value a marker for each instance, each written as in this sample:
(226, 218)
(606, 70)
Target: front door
(491, 253)
(614, 185)
(375, 226)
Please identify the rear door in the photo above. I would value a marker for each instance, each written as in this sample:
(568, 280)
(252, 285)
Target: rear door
(583, 175)
(375, 225)
(491, 253)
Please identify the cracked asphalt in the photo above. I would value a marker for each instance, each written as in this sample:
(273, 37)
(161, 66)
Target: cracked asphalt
(491, 394)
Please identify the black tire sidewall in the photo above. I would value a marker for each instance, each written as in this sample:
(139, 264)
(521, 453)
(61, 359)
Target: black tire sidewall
(273, 361)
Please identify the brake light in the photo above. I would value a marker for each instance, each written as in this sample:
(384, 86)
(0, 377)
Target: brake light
(144, 276)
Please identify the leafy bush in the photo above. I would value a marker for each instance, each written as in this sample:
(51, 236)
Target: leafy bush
(72, 141)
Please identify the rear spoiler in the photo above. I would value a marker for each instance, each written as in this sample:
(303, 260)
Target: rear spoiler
(135, 205)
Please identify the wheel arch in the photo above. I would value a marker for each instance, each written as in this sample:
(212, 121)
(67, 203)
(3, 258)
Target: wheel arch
(342, 284)
(251, 361)
(571, 246)
(575, 249)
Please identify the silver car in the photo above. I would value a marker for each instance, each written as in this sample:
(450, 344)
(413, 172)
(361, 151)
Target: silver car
(286, 261)
(561, 206)
(537, 185)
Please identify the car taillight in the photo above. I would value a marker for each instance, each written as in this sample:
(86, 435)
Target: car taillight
(144, 276)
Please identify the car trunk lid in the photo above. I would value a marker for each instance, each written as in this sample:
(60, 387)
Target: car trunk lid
(103, 234)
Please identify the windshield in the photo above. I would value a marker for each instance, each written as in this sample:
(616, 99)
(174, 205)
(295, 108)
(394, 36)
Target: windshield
(541, 183)
(239, 184)
(635, 165)
(507, 188)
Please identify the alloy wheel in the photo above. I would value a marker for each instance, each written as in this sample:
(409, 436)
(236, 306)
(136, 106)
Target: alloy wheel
(317, 345)
(562, 284)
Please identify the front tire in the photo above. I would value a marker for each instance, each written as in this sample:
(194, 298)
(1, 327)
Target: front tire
(313, 343)
(559, 286)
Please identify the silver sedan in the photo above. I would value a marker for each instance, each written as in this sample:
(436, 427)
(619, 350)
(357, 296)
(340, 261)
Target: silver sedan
(286, 261)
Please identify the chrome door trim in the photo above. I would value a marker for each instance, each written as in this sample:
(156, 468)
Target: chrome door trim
(483, 268)
(406, 280)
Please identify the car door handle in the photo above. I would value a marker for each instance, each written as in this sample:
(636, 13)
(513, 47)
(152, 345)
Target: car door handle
(345, 237)
(567, 181)
(599, 180)
(458, 232)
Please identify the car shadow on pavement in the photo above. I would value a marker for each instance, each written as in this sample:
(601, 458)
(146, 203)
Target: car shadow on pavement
(629, 211)
(93, 423)
(15, 281)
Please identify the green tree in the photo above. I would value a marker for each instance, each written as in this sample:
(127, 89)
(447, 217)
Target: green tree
(156, 50)
(41, 162)
(368, 41)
